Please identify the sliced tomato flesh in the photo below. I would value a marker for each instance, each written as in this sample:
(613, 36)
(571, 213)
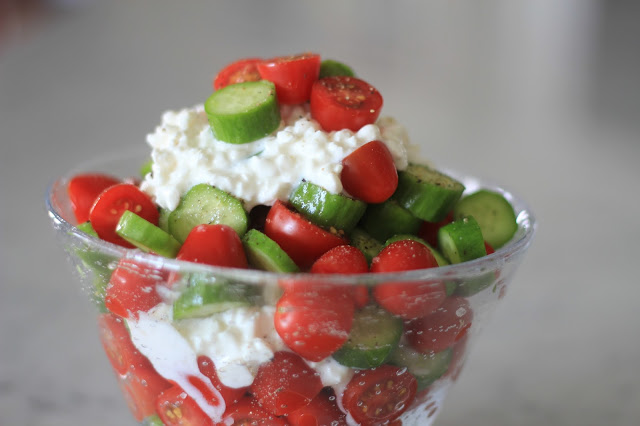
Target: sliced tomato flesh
(83, 189)
(238, 72)
(292, 75)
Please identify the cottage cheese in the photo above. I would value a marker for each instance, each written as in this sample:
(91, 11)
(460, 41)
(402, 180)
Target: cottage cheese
(185, 153)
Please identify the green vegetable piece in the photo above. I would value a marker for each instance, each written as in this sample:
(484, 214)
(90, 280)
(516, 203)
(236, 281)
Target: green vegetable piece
(374, 335)
(494, 214)
(325, 208)
(207, 204)
(368, 245)
(427, 193)
(330, 68)
(204, 298)
(461, 240)
(427, 368)
(87, 229)
(92, 259)
(382, 221)
(146, 236)
(153, 420)
(163, 219)
(243, 112)
(264, 253)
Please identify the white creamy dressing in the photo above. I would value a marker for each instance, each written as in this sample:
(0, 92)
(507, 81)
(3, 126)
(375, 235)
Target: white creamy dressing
(185, 153)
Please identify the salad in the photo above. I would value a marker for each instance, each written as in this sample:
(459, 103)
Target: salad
(288, 168)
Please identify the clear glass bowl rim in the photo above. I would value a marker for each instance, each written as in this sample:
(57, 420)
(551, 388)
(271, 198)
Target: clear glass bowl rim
(516, 247)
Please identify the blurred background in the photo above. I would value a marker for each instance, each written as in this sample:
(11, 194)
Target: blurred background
(541, 96)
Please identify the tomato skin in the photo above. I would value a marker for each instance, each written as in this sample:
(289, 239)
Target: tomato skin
(140, 388)
(303, 241)
(285, 384)
(369, 173)
(293, 76)
(342, 102)
(314, 324)
(118, 347)
(115, 200)
(230, 395)
(132, 289)
(371, 393)
(407, 300)
(429, 230)
(488, 248)
(83, 189)
(441, 329)
(217, 245)
(176, 408)
(322, 410)
(341, 260)
(247, 412)
(237, 72)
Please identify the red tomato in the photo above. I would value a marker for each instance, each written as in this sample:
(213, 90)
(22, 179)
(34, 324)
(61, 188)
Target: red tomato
(488, 248)
(217, 245)
(114, 201)
(408, 300)
(132, 288)
(441, 329)
(285, 384)
(361, 296)
(342, 102)
(237, 72)
(118, 347)
(314, 324)
(299, 238)
(369, 173)
(293, 76)
(248, 412)
(230, 395)
(341, 260)
(321, 411)
(429, 230)
(458, 357)
(84, 189)
(141, 387)
(379, 395)
(175, 408)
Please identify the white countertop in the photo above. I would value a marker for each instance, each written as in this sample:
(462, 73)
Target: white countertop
(513, 93)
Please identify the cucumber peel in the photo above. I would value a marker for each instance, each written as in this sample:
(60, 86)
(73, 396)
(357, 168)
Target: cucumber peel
(264, 253)
(146, 236)
(494, 214)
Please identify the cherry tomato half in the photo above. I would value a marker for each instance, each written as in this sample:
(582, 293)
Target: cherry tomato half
(314, 324)
(285, 384)
(293, 76)
(303, 241)
(369, 173)
(115, 200)
(217, 245)
(343, 102)
(441, 329)
(176, 408)
(322, 410)
(132, 288)
(237, 72)
(140, 388)
(341, 260)
(248, 412)
(230, 395)
(83, 190)
(379, 395)
(408, 300)
(118, 347)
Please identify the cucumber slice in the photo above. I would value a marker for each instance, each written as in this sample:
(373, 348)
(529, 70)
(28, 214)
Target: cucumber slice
(152, 420)
(87, 229)
(364, 242)
(325, 208)
(330, 68)
(382, 221)
(474, 285)
(374, 335)
(427, 368)
(146, 236)
(207, 204)
(163, 219)
(426, 192)
(264, 253)
(94, 260)
(461, 240)
(494, 214)
(204, 298)
(243, 112)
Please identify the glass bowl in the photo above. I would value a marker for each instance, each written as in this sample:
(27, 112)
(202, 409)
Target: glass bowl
(223, 360)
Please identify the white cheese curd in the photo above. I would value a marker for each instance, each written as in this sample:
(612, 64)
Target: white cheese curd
(185, 153)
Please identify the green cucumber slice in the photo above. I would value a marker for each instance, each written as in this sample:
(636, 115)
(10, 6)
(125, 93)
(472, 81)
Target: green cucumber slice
(203, 298)
(374, 335)
(364, 242)
(87, 229)
(427, 368)
(264, 253)
(153, 420)
(243, 112)
(92, 259)
(146, 236)
(461, 240)
(163, 219)
(427, 193)
(207, 204)
(494, 214)
(382, 221)
(330, 68)
(325, 208)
